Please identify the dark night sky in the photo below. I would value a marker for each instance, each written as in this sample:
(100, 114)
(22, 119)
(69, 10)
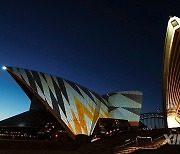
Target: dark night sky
(104, 45)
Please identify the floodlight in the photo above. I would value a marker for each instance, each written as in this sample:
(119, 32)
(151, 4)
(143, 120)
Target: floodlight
(4, 67)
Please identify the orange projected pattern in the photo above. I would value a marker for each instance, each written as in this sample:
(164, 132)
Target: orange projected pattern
(75, 107)
(78, 107)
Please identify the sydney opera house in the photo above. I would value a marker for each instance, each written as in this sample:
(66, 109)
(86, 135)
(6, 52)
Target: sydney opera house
(59, 105)
(65, 116)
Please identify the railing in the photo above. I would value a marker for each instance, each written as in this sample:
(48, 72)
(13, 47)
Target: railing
(134, 145)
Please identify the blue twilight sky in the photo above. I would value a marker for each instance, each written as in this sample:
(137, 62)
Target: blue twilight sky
(104, 45)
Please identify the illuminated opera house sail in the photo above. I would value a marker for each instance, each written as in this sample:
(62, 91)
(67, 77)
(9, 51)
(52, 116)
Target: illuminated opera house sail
(171, 74)
(76, 108)
(125, 105)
